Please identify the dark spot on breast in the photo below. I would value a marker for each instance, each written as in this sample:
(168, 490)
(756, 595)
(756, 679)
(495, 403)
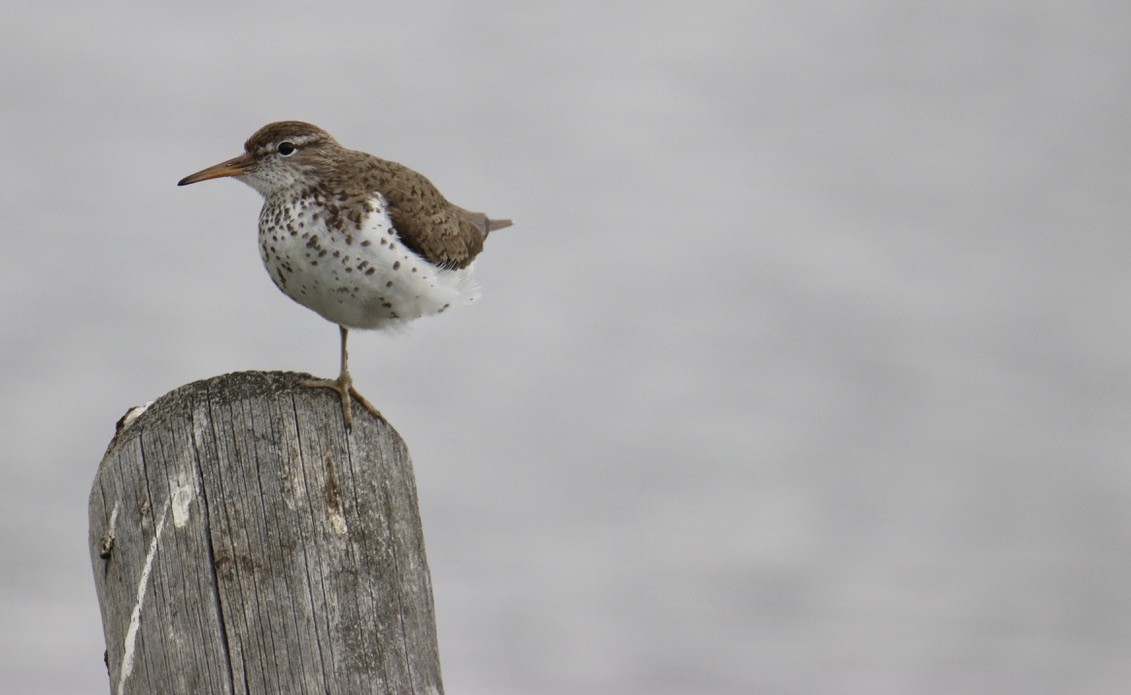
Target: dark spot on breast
(396, 265)
(366, 242)
(389, 283)
(370, 271)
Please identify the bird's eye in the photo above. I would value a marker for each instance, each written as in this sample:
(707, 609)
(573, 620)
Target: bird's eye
(287, 149)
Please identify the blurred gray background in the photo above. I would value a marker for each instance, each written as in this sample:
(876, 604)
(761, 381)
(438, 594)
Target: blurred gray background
(807, 368)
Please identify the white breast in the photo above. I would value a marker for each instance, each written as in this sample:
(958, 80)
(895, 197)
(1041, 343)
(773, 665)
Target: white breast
(355, 276)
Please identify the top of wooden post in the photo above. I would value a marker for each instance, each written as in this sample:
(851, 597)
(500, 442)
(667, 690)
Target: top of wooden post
(244, 542)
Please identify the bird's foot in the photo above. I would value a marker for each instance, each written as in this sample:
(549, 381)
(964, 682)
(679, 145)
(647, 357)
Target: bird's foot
(344, 386)
(367, 405)
(341, 386)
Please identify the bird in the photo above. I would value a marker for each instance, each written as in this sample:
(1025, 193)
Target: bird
(364, 242)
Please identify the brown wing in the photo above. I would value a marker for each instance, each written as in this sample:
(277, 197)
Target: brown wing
(443, 237)
(426, 222)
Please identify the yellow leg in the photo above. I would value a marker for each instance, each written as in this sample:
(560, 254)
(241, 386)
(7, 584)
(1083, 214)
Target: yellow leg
(344, 385)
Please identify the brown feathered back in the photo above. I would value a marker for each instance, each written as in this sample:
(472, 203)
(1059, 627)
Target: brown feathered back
(443, 233)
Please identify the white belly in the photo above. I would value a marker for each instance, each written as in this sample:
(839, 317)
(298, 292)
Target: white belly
(358, 278)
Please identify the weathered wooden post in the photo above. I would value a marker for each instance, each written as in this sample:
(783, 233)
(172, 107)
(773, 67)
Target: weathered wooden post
(243, 542)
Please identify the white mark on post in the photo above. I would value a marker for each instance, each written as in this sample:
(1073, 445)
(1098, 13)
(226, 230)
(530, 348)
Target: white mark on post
(135, 616)
(128, 419)
(337, 521)
(107, 544)
(113, 520)
(180, 497)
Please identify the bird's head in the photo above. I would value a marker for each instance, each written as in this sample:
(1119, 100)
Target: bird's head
(278, 156)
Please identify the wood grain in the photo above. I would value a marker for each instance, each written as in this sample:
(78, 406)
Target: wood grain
(244, 542)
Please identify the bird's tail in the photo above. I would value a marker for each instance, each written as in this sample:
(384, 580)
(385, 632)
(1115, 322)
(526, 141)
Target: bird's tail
(492, 225)
(485, 224)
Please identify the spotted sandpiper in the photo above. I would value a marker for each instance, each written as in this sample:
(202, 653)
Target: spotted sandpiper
(362, 241)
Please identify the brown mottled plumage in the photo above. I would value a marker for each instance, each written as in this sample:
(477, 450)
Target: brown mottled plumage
(363, 241)
(443, 233)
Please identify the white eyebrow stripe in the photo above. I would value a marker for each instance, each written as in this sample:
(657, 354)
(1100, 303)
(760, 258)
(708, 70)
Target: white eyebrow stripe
(298, 141)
